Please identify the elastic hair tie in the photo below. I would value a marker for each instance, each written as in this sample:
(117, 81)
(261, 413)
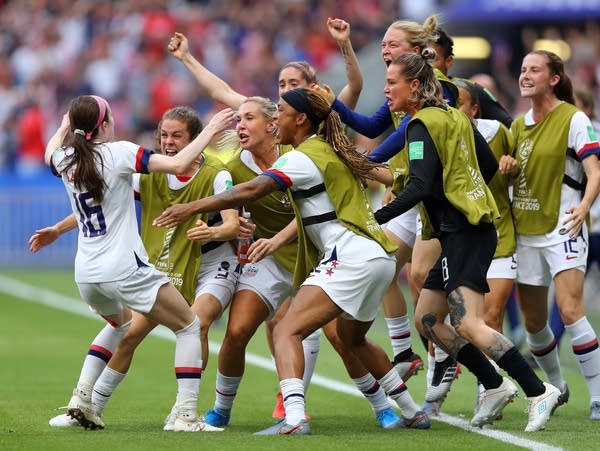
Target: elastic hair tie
(79, 131)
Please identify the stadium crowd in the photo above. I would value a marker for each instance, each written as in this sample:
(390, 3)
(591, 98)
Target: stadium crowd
(54, 50)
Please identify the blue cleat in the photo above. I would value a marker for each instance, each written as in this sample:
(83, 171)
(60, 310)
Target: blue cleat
(282, 428)
(217, 417)
(388, 419)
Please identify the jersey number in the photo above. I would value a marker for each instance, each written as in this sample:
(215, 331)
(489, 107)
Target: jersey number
(90, 216)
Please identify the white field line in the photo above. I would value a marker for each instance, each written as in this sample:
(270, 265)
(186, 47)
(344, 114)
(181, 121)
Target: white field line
(58, 301)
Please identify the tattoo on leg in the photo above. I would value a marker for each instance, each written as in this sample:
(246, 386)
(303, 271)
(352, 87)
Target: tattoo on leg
(456, 303)
(452, 343)
(500, 345)
(428, 322)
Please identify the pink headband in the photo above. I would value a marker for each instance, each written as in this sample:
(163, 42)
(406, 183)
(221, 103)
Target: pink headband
(102, 103)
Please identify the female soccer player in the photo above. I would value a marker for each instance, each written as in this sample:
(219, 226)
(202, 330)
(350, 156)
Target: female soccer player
(112, 270)
(448, 174)
(556, 150)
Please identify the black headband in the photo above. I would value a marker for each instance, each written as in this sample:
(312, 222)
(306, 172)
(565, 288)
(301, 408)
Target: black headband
(298, 99)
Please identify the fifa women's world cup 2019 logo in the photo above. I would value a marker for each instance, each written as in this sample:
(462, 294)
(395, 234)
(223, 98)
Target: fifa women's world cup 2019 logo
(523, 198)
(477, 191)
(524, 151)
(163, 261)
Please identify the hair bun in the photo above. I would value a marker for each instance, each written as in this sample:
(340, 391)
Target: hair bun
(428, 54)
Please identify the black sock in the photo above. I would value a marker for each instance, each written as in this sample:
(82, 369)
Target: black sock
(515, 365)
(425, 343)
(479, 365)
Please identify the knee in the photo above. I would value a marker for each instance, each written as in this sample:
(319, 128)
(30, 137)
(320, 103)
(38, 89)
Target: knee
(494, 317)
(130, 342)
(425, 322)
(572, 312)
(466, 328)
(237, 337)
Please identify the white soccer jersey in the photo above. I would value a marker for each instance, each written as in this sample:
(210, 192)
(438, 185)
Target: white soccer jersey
(583, 143)
(297, 171)
(109, 246)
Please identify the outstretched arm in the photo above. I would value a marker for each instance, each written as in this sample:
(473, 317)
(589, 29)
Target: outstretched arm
(340, 32)
(215, 87)
(46, 236)
(234, 197)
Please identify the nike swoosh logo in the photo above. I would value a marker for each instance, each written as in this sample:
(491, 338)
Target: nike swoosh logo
(571, 257)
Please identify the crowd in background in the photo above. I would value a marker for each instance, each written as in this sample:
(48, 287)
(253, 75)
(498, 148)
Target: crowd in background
(55, 50)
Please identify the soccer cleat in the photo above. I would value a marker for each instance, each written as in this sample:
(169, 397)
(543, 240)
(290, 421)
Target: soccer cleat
(282, 428)
(170, 420)
(188, 423)
(444, 373)
(595, 411)
(80, 408)
(419, 421)
(63, 421)
(540, 407)
(388, 419)
(479, 400)
(492, 403)
(217, 417)
(407, 364)
(279, 410)
(562, 399)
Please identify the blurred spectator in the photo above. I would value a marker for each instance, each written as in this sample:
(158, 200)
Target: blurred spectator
(31, 140)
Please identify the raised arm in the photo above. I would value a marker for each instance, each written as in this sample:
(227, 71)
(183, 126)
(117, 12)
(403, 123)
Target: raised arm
(215, 87)
(340, 32)
(179, 163)
(57, 139)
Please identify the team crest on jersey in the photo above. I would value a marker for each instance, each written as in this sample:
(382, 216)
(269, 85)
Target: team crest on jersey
(285, 201)
(281, 161)
(415, 150)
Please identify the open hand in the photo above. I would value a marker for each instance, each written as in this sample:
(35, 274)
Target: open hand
(173, 215)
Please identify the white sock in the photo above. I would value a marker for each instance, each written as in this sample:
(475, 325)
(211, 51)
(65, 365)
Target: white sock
(545, 352)
(373, 392)
(395, 389)
(226, 388)
(104, 388)
(399, 332)
(292, 391)
(439, 353)
(430, 368)
(585, 348)
(495, 365)
(99, 353)
(188, 367)
(311, 346)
